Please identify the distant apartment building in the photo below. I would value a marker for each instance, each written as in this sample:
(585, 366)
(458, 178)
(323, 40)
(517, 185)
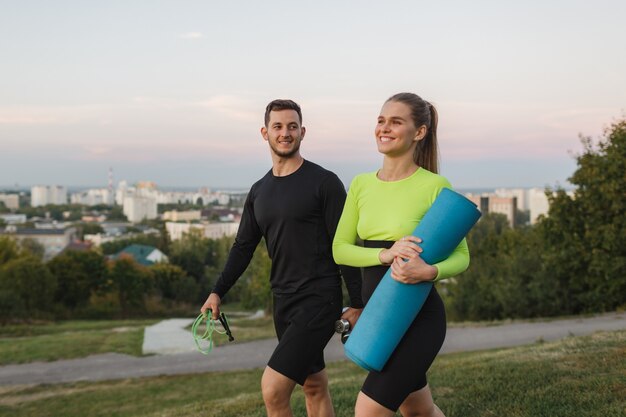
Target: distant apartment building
(219, 230)
(11, 201)
(13, 218)
(223, 214)
(93, 218)
(481, 201)
(121, 192)
(174, 197)
(146, 185)
(51, 224)
(538, 203)
(115, 228)
(177, 230)
(41, 195)
(182, 216)
(93, 197)
(138, 208)
(504, 205)
(114, 231)
(521, 194)
(208, 230)
(221, 199)
(203, 196)
(490, 203)
(53, 240)
(100, 238)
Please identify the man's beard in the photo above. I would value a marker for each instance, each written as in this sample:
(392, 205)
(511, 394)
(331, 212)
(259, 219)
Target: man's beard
(286, 154)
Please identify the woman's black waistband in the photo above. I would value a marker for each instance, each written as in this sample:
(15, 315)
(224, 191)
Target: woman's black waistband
(378, 243)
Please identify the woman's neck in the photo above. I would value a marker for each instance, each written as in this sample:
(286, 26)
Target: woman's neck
(395, 169)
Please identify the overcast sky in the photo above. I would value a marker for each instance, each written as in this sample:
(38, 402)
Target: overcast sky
(174, 91)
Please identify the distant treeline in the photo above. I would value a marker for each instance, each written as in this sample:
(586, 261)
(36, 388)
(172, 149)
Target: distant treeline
(88, 284)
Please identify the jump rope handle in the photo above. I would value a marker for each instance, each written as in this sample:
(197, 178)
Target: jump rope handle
(222, 319)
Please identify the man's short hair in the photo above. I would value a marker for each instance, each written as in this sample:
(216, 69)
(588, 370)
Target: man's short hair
(280, 104)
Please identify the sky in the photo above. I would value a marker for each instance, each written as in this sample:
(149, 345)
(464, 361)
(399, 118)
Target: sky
(174, 91)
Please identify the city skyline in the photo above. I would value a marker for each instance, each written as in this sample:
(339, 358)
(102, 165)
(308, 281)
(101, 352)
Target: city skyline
(174, 92)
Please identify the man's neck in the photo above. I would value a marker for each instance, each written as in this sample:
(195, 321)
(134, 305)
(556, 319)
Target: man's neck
(281, 167)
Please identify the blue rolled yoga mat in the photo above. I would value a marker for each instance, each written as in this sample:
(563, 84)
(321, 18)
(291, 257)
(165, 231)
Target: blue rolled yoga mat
(394, 305)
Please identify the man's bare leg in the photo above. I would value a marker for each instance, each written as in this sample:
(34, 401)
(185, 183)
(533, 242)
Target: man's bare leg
(317, 395)
(277, 389)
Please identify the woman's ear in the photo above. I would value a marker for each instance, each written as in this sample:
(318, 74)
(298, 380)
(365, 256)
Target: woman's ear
(420, 133)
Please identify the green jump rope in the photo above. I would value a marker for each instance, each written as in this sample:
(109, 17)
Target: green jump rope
(209, 328)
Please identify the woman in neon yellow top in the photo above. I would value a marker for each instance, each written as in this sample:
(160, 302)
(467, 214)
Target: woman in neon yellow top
(382, 209)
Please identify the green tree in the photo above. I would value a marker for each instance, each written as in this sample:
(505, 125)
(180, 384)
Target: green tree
(256, 291)
(522, 218)
(216, 260)
(521, 287)
(173, 283)
(88, 229)
(94, 265)
(586, 231)
(32, 286)
(193, 253)
(564, 252)
(72, 282)
(79, 274)
(54, 211)
(130, 281)
(33, 247)
(117, 213)
(10, 303)
(9, 250)
(164, 239)
(472, 296)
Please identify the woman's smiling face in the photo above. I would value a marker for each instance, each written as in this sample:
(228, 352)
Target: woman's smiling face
(395, 131)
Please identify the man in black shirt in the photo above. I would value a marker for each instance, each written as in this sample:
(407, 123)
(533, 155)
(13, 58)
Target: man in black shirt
(296, 207)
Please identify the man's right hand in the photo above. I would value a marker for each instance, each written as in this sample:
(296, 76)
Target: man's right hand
(352, 315)
(212, 303)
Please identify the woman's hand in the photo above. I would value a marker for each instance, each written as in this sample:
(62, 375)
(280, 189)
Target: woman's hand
(405, 248)
(412, 271)
(407, 266)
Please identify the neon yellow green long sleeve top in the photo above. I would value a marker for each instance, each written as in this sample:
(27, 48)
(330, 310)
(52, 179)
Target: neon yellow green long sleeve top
(389, 210)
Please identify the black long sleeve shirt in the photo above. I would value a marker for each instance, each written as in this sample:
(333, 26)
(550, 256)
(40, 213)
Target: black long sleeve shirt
(298, 215)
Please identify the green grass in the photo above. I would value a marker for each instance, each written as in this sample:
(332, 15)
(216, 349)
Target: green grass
(578, 376)
(76, 338)
(71, 339)
(47, 328)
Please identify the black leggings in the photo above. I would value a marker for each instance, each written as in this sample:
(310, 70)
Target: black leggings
(405, 371)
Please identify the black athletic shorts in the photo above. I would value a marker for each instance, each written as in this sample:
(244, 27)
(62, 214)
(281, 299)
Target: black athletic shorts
(304, 323)
(405, 371)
